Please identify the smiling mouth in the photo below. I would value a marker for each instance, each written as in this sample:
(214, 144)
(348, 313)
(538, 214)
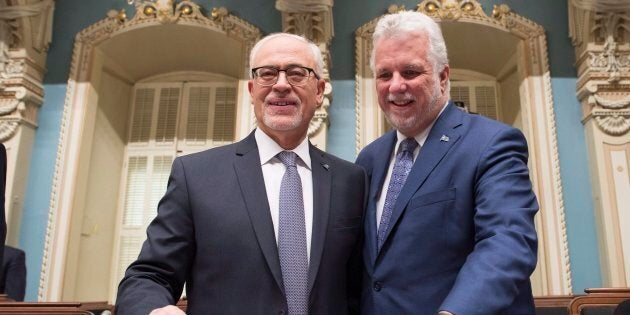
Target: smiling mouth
(401, 102)
(281, 103)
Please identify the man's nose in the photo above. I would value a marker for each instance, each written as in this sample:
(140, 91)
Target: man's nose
(397, 84)
(283, 83)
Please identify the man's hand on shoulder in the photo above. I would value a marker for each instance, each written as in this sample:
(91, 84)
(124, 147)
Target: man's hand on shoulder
(167, 310)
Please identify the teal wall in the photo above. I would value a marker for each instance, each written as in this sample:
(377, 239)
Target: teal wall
(71, 16)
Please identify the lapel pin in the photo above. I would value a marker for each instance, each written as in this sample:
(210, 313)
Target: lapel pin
(326, 166)
(444, 138)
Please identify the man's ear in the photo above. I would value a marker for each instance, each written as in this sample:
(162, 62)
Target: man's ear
(321, 88)
(444, 75)
(250, 86)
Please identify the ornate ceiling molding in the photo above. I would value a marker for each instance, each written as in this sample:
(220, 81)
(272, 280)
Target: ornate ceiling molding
(149, 13)
(471, 11)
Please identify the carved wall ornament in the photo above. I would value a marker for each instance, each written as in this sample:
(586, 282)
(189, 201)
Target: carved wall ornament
(27, 31)
(303, 5)
(615, 123)
(600, 31)
(450, 9)
(8, 128)
(42, 15)
(14, 67)
(165, 11)
(9, 105)
(609, 104)
(394, 8)
(18, 105)
(471, 10)
(150, 13)
(310, 25)
(610, 59)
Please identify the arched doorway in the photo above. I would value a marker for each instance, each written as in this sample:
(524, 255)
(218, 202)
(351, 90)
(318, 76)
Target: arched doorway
(130, 79)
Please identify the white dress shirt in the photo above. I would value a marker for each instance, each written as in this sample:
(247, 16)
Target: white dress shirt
(420, 138)
(273, 171)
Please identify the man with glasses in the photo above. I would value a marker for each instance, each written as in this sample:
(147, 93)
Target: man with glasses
(268, 225)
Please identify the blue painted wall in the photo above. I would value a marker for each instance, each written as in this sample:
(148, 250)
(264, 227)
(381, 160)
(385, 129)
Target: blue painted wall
(71, 16)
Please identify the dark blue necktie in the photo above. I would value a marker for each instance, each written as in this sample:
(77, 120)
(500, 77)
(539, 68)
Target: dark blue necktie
(402, 167)
(292, 237)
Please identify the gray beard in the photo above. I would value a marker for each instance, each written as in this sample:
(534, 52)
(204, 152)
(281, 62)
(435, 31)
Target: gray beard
(269, 122)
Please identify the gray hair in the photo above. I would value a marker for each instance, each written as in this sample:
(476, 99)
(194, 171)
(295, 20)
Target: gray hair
(317, 54)
(412, 22)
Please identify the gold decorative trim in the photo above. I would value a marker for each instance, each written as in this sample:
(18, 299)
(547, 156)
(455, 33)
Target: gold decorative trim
(114, 24)
(472, 11)
(450, 9)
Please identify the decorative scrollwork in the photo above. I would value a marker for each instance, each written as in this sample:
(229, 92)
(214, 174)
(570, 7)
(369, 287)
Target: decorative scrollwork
(8, 106)
(609, 104)
(614, 123)
(610, 61)
(8, 128)
(450, 9)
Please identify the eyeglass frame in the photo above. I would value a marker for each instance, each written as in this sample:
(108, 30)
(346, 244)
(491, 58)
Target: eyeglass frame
(309, 71)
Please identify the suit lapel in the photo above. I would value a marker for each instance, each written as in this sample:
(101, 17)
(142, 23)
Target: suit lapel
(440, 140)
(322, 185)
(377, 178)
(252, 183)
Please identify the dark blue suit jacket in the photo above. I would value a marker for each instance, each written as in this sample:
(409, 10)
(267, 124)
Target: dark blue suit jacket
(214, 231)
(3, 179)
(462, 234)
(14, 273)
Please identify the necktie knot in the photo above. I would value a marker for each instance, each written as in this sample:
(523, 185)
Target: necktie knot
(408, 145)
(287, 158)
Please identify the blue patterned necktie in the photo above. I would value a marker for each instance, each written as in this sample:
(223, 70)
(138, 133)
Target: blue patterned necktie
(292, 237)
(402, 167)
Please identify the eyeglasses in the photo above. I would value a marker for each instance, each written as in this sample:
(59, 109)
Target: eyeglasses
(296, 75)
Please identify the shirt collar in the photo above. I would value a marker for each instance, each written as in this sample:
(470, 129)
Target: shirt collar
(422, 136)
(268, 148)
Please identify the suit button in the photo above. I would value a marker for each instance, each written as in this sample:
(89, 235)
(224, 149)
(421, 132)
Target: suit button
(378, 286)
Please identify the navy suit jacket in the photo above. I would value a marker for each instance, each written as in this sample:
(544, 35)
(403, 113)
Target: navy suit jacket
(462, 234)
(214, 231)
(14, 272)
(3, 179)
